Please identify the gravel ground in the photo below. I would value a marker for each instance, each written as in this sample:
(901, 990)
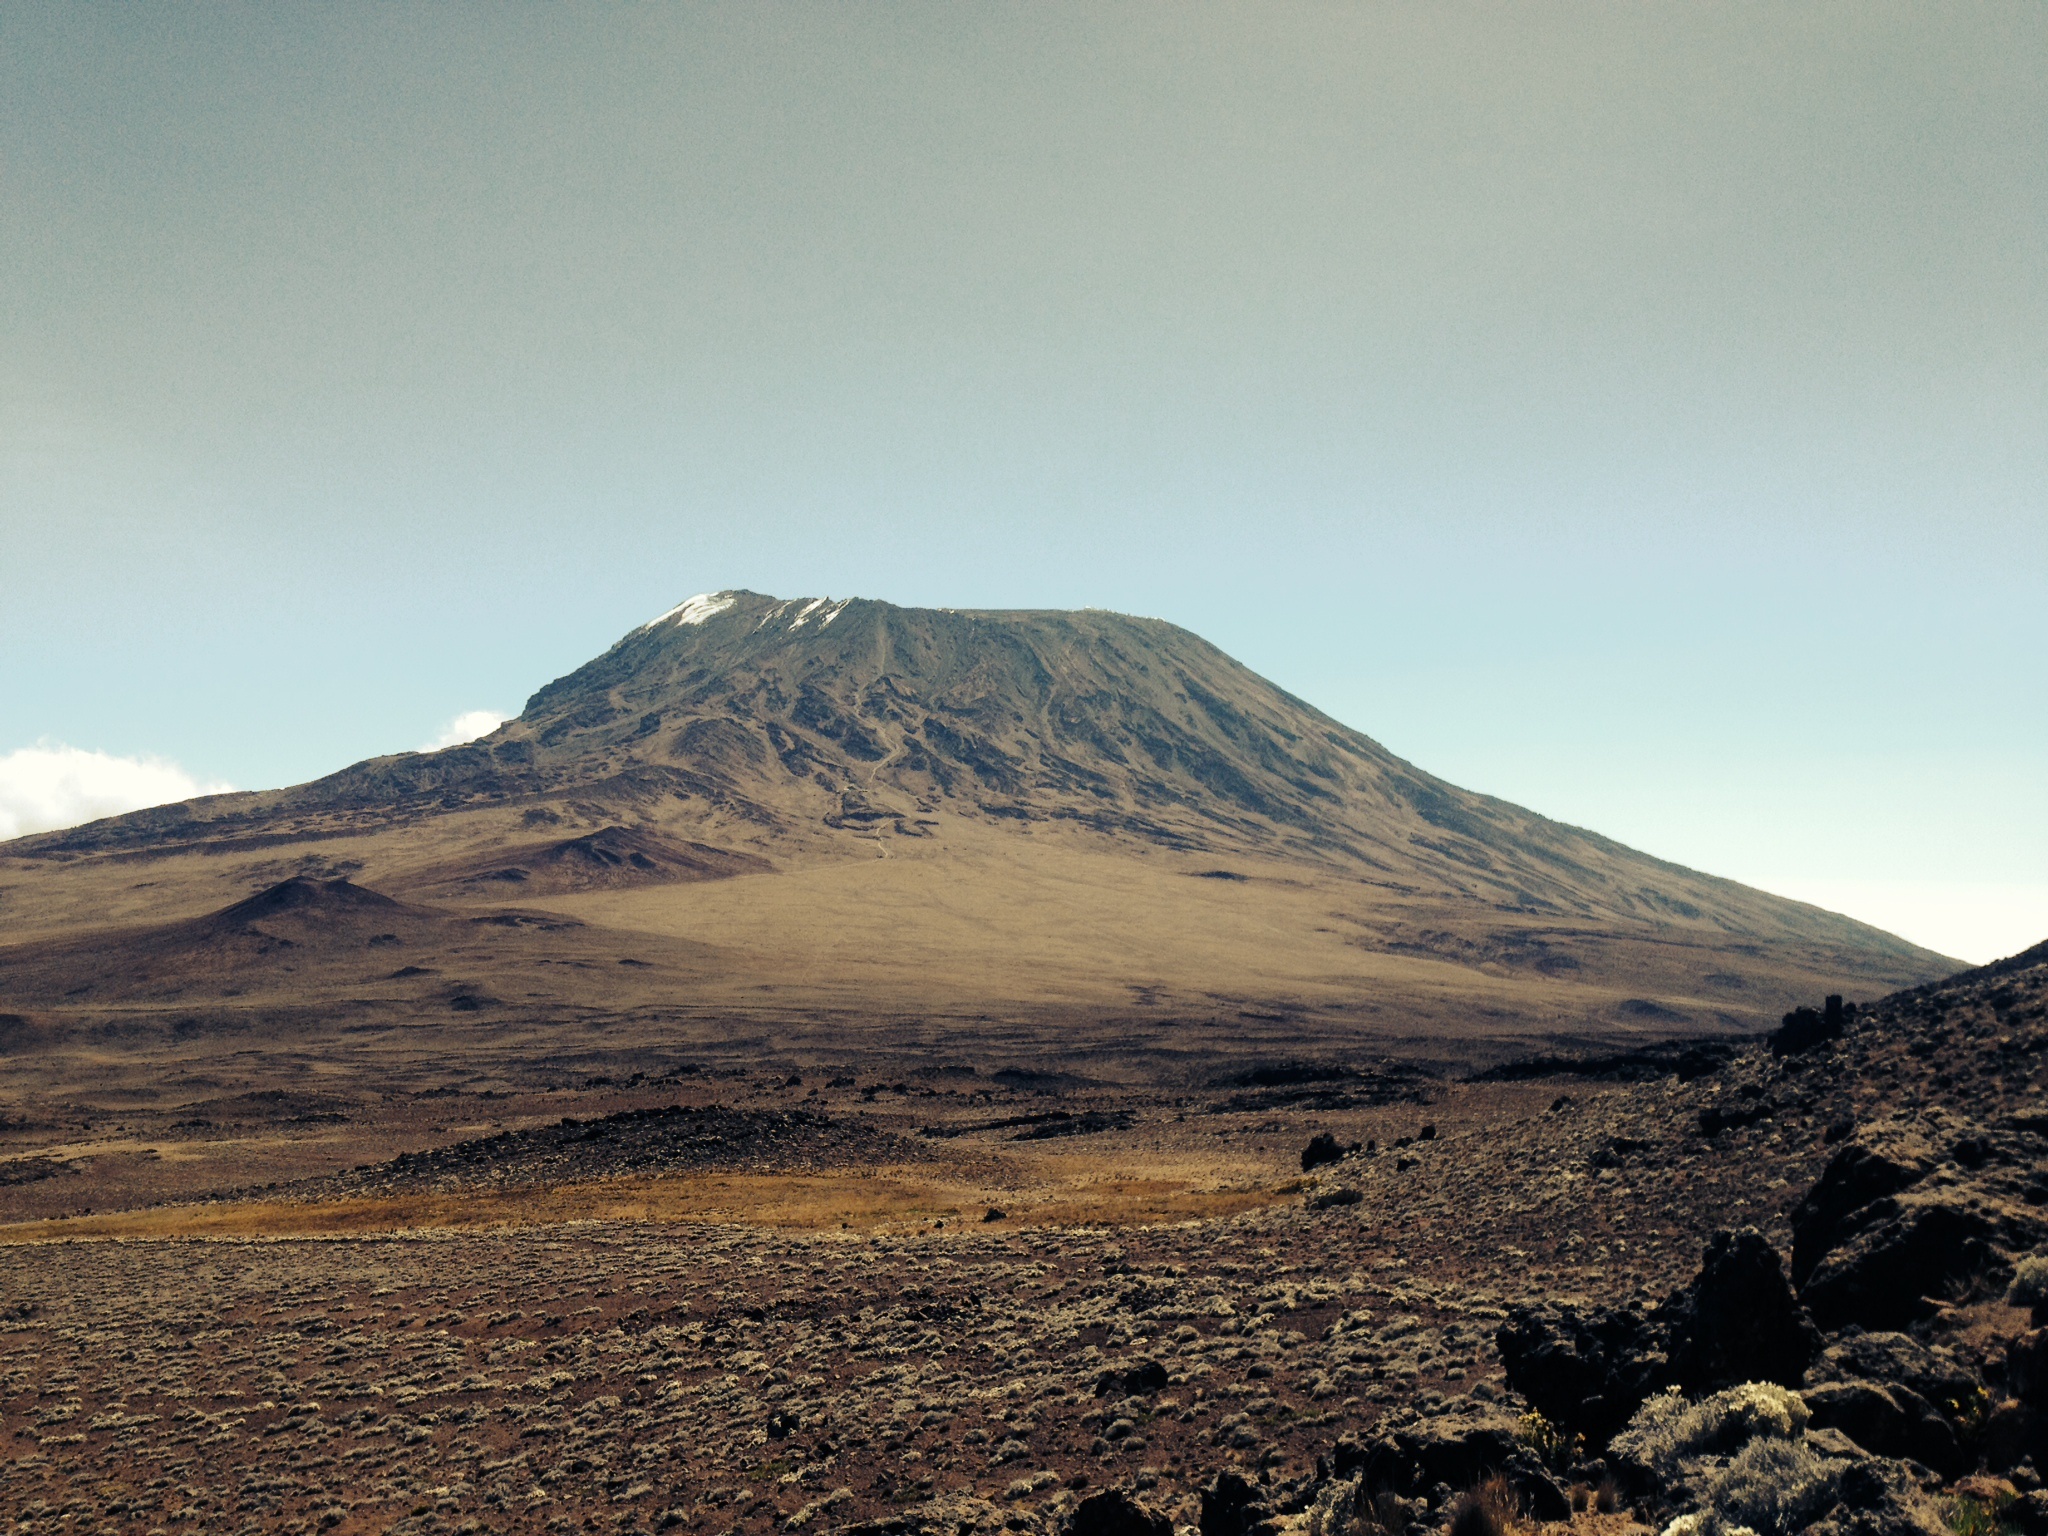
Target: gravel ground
(637, 1377)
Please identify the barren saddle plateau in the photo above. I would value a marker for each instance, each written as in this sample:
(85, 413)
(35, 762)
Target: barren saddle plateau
(802, 829)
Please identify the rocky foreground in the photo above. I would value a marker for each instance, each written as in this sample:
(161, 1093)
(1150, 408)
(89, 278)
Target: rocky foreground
(1708, 1291)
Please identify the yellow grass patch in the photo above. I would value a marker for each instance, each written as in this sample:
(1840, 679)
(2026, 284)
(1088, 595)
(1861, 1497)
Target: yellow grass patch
(856, 1201)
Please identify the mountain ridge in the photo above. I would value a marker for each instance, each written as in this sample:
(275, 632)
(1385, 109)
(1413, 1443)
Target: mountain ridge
(876, 716)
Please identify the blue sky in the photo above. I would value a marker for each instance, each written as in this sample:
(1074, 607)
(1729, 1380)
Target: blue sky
(1641, 414)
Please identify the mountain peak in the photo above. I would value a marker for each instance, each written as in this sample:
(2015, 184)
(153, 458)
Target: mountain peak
(818, 728)
(790, 614)
(693, 610)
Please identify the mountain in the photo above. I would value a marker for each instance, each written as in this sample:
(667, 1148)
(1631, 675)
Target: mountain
(872, 811)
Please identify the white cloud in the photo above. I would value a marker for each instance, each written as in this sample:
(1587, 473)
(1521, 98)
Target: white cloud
(1974, 920)
(467, 726)
(48, 786)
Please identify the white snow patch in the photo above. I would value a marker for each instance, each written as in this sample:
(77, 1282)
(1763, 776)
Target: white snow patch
(50, 785)
(695, 610)
(465, 727)
(834, 613)
(809, 608)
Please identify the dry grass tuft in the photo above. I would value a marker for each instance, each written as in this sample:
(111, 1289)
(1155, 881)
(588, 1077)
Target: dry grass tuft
(1491, 1508)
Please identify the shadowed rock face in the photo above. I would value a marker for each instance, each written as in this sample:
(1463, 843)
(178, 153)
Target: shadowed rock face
(1586, 1369)
(1913, 1213)
(1739, 1321)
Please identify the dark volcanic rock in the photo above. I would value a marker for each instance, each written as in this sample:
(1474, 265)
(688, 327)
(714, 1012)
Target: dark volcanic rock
(1738, 1321)
(1897, 1359)
(1542, 1498)
(2026, 1367)
(1137, 1379)
(1890, 1421)
(1913, 1254)
(1115, 1513)
(1586, 1369)
(1231, 1506)
(1320, 1150)
(1589, 1369)
(1803, 1028)
(1881, 1161)
(1458, 1448)
(1881, 1498)
(1912, 1213)
(637, 1141)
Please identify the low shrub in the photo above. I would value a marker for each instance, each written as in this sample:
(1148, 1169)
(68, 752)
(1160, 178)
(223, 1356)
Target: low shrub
(1773, 1486)
(1549, 1443)
(1973, 1516)
(2029, 1286)
(1347, 1509)
(1667, 1429)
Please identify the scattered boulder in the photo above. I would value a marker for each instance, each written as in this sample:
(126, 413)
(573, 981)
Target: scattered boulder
(1324, 1199)
(1458, 1448)
(1832, 1442)
(1803, 1028)
(1543, 1498)
(2012, 1435)
(1322, 1148)
(1588, 1369)
(1917, 1250)
(1133, 1380)
(2026, 1367)
(1882, 1159)
(2029, 1513)
(1716, 1118)
(1897, 1359)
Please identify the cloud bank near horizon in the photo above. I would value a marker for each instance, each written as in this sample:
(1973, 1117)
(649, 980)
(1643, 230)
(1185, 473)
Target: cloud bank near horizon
(1973, 920)
(49, 786)
(466, 727)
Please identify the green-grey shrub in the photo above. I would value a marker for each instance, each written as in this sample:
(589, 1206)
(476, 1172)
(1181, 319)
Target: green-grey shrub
(1773, 1486)
(2029, 1286)
(1667, 1429)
